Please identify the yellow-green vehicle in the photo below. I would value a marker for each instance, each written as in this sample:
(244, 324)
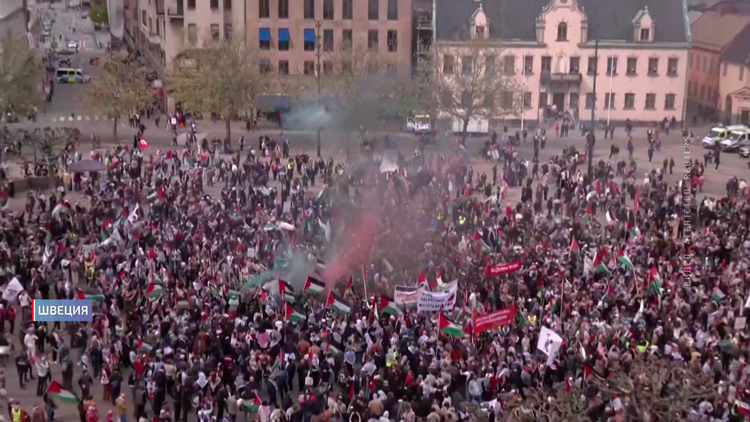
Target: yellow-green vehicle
(67, 75)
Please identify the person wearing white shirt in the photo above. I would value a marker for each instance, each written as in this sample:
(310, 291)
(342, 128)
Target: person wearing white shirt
(43, 372)
(29, 341)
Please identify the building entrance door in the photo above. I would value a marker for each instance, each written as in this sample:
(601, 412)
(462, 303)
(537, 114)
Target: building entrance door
(745, 117)
(558, 99)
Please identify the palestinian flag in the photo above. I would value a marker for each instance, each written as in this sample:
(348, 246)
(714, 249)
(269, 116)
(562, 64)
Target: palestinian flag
(292, 315)
(96, 297)
(600, 266)
(314, 285)
(656, 280)
(286, 291)
(337, 304)
(574, 248)
(349, 285)
(624, 260)
(389, 307)
(155, 291)
(62, 395)
(448, 327)
(143, 347)
(251, 406)
(332, 348)
(717, 295)
(589, 213)
(482, 246)
(633, 230)
(232, 295)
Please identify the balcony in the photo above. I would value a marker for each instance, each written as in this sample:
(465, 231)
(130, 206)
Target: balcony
(159, 7)
(565, 78)
(175, 9)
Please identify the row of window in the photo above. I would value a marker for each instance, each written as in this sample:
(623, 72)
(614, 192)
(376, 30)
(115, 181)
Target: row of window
(310, 40)
(329, 9)
(702, 92)
(192, 32)
(214, 4)
(506, 100)
(574, 65)
(309, 67)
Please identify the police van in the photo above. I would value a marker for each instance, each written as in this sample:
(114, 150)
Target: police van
(71, 76)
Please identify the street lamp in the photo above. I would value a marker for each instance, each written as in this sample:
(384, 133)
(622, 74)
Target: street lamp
(590, 137)
(317, 75)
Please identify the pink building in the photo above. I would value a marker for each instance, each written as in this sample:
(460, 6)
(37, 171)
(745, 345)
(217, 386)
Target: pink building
(554, 48)
(734, 83)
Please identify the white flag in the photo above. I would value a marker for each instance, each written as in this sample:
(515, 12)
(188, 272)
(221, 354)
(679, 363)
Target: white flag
(549, 343)
(133, 217)
(12, 290)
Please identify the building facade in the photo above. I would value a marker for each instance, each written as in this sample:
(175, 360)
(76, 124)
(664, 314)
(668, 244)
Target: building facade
(734, 82)
(635, 53)
(288, 36)
(712, 33)
(12, 18)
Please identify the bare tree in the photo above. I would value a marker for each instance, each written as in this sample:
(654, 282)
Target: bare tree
(469, 81)
(223, 77)
(20, 74)
(120, 88)
(45, 146)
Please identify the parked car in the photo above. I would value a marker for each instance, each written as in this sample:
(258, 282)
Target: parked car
(735, 140)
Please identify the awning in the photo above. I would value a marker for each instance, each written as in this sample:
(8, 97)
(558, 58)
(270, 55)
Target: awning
(309, 35)
(264, 34)
(283, 34)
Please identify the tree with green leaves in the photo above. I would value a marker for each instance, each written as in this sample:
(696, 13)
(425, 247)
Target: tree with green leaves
(119, 89)
(20, 75)
(222, 77)
(99, 14)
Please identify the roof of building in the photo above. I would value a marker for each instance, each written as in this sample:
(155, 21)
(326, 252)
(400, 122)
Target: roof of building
(515, 19)
(717, 29)
(738, 51)
(693, 16)
(9, 7)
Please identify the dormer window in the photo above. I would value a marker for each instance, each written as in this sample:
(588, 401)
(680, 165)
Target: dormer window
(645, 34)
(480, 32)
(562, 31)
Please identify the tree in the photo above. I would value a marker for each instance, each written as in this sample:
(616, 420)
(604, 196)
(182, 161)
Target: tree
(120, 88)
(99, 14)
(20, 75)
(223, 77)
(465, 82)
(45, 146)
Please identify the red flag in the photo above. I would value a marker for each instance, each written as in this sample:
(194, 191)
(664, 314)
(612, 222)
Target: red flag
(574, 248)
(349, 284)
(422, 279)
(142, 144)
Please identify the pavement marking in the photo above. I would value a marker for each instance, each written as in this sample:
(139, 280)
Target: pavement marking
(88, 118)
(79, 118)
(70, 119)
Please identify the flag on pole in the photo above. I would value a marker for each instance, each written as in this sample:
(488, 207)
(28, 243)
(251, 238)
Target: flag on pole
(154, 290)
(589, 213)
(286, 291)
(624, 260)
(574, 248)
(96, 297)
(314, 285)
(337, 304)
(448, 327)
(600, 266)
(482, 246)
(143, 347)
(349, 284)
(292, 315)
(251, 405)
(387, 306)
(64, 396)
(717, 295)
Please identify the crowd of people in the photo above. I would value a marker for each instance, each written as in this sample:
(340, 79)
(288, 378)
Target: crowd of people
(291, 298)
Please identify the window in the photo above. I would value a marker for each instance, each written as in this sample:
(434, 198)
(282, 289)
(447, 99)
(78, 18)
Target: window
(509, 65)
(632, 66)
(527, 100)
(448, 64)
(592, 66)
(373, 10)
(283, 67)
(392, 10)
(346, 66)
(311, 39)
(645, 34)
(283, 39)
(467, 65)
(546, 63)
(562, 31)
(215, 31)
(347, 9)
(392, 40)
(265, 66)
(669, 102)
(629, 101)
(742, 73)
(191, 4)
(702, 92)
(711, 66)
(328, 10)
(227, 4)
(346, 40)
(150, 26)
(143, 17)
(611, 65)
(575, 65)
(488, 101)
(284, 11)
(214, 4)
(327, 67)
(609, 100)
(590, 100)
(703, 61)
(479, 32)
(528, 65)
(309, 67)
(726, 68)
(653, 66)
(227, 31)
(489, 65)
(264, 38)
(309, 9)
(328, 40)
(372, 39)
(542, 99)
(506, 100)
(192, 33)
(650, 101)
(672, 67)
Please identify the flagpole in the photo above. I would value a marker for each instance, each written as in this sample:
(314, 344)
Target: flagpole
(364, 280)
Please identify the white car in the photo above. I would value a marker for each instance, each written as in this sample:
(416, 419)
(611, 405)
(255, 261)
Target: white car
(735, 140)
(73, 45)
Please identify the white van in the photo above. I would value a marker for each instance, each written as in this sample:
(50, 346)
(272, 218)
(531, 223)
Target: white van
(71, 76)
(476, 126)
(736, 139)
(717, 134)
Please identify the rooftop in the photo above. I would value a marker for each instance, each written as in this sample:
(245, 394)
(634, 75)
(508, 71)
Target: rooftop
(716, 29)
(515, 19)
(738, 51)
(9, 7)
